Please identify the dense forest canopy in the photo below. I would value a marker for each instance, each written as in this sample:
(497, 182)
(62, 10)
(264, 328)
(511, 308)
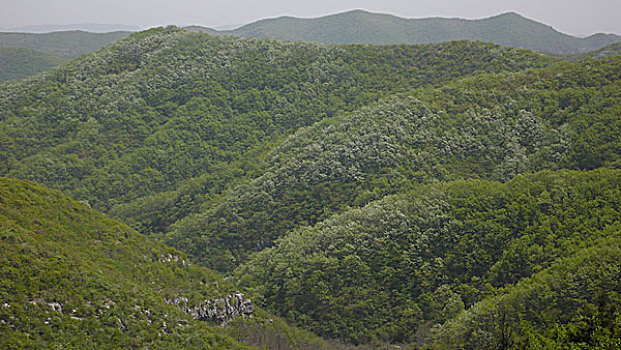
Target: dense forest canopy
(72, 278)
(155, 111)
(456, 195)
(491, 127)
(410, 261)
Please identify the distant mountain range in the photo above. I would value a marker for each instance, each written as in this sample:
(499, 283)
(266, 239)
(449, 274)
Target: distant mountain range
(87, 27)
(25, 54)
(353, 27)
(68, 44)
(361, 27)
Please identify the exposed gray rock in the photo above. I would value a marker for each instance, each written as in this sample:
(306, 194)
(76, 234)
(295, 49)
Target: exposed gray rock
(221, 310)
(57, 307)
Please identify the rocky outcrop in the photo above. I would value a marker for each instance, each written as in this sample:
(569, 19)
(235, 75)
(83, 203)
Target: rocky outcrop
(221, 310)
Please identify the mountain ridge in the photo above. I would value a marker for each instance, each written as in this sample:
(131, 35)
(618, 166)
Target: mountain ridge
(364, 27)
(381, 195)
(351, 27)
(88, 27)
(64, 44)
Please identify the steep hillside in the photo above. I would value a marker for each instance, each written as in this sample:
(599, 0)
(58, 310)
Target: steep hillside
(488, 126)
(73, 278)
(603, 53)
(361, 27)
(66, 44)
(168, 110)
(396, 267)
(574, 304)
(19, 63)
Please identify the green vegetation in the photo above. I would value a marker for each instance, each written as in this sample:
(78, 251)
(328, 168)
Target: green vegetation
(396, 267)
(73, 278)
(360, 27)
(489, 126)
(603, 53)
(66, 44)
(110, 281)
(133, 130)
(19, 63)
(574, 304)
(454, 195)
(23, 55)
(354, 27)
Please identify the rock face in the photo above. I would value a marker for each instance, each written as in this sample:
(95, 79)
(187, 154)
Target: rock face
(222, 310)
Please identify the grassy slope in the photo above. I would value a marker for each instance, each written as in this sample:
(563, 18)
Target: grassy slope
(110, 281)
(19, 63)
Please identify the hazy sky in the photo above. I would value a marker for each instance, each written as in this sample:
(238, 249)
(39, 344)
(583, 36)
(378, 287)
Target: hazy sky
(576, 17)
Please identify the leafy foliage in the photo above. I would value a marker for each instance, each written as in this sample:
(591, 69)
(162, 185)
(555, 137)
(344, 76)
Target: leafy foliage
(73, 278)
(166, 120)
(574, 304)
(371, 194)
(406, 262)
(489, 126)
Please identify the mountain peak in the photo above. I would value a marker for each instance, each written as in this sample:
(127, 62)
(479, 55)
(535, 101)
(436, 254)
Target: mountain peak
(359, 26)
(510, 14)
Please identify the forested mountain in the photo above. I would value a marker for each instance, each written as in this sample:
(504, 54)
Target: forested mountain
(87, 27)
(361, 27)
(23, 55)
(491, 126)
(74, 278)
(18, 63)
(167, 111)
(353, 27)
(66, 44)
(398, 266)
(449, 195)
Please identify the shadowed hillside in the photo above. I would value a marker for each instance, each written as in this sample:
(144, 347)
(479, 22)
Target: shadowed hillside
(67, 45)
(19, 63)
